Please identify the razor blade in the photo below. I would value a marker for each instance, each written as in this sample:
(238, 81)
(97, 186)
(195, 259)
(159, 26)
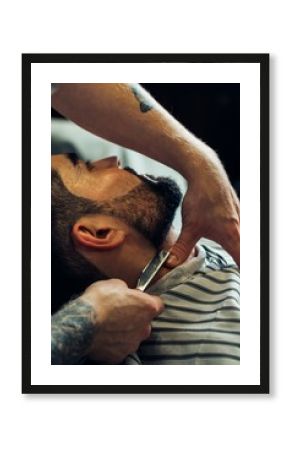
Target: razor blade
(149, 272)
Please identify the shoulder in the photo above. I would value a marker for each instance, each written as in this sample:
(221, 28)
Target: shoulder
(216, 279)
(216, 257)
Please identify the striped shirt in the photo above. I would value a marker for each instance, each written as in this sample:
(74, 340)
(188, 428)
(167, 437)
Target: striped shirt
(201, 320)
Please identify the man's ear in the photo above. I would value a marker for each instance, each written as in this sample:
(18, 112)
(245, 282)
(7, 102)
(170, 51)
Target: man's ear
(97, 233)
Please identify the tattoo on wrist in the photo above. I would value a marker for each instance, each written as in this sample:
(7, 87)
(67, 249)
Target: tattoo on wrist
(145, 103)
(72, 332)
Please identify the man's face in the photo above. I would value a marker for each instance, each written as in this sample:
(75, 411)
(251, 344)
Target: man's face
(98, 181)
(145, 202)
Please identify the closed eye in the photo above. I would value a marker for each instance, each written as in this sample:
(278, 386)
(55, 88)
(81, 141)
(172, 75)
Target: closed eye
(73, 158)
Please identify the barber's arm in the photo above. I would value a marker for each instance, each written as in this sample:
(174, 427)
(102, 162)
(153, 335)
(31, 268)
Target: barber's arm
(127, 115)
(106, 323)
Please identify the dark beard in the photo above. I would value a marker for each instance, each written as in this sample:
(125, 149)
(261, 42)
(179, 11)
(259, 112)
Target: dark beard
(170, 194)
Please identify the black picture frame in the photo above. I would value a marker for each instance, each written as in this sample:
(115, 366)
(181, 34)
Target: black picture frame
(263, 61)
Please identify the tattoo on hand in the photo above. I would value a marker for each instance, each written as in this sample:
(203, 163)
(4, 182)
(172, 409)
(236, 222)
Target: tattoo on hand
(144, 103)
(72, 332)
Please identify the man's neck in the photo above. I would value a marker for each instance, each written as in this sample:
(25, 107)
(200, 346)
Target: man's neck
(170, 240)
(129, 263)
(167, 244)
(144, 257)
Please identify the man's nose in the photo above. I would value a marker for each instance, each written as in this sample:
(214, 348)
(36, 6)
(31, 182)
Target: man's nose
(106, 163)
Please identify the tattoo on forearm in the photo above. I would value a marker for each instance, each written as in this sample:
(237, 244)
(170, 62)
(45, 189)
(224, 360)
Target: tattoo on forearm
(145, 103)
(72, 332)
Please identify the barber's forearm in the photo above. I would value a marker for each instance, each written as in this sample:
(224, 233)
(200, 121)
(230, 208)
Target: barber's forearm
(72, 332)
(127, 115)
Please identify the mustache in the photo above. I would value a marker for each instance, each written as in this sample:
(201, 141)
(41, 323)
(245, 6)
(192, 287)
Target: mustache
(147, 176)
(164, 186)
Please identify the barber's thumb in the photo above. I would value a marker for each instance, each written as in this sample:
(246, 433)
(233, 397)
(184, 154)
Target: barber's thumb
(156, 305)
(182, 248)
(159, 304)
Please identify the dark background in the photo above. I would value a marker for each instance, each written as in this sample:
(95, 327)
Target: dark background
(210, 111)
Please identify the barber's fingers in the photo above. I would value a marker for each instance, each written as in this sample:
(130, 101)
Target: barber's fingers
(152, 304)
(146, 332)
(221, 224)
(141, 336)
(227, 235)
(189, 236)
(112, 282)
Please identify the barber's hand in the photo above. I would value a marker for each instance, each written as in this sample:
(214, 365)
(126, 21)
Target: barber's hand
(123, 318)
(210, 209)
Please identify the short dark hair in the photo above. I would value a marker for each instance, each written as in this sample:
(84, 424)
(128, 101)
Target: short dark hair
(149, 208)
